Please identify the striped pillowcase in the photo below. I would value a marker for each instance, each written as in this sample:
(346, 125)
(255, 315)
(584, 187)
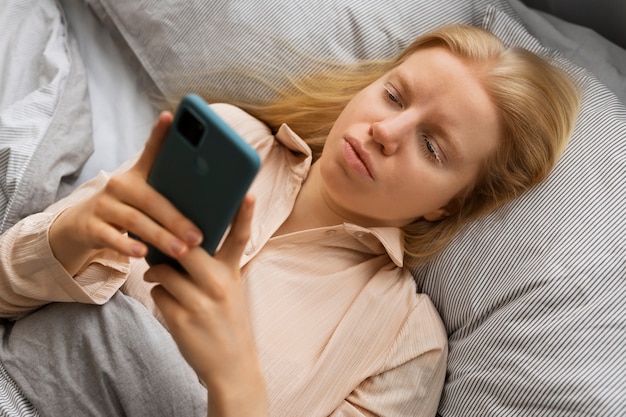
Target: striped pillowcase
(533, 295)
(221, 46)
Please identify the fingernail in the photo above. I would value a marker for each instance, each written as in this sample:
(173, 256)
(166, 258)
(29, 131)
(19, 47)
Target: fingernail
(194, 237)
(138, 250)
(177, 247)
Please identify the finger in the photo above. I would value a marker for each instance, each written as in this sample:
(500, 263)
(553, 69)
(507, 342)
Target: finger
(177, 285)
(164, 215)
(209, 276)
(121, 216)
(197, 261)
(170, 308)
(199, 265)
(108, 236)
(153, 145)
(129, 219)
(239, 234)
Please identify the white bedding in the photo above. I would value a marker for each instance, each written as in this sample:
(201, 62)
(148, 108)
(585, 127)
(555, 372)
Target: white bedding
(45, 119)
(122, 111)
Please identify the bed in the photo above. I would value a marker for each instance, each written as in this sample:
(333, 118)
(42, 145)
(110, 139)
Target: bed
(532, 296)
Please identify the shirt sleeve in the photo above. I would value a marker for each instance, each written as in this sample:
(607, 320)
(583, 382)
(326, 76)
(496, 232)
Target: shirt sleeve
(413, 377)
(30, 275)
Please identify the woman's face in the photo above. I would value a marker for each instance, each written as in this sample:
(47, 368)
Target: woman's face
(408, 143)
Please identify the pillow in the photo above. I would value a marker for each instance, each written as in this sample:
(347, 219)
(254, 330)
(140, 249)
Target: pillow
(183, 44)
(607, 17)
(532, 296)
(579, 44)
(45, 122)
(223, 45)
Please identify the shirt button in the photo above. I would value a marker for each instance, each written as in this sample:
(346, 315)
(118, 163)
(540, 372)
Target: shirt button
(359, 235)
(249, 250)
(331, 232)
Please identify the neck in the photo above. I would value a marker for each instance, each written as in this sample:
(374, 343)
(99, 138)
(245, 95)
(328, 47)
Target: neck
(311, 209)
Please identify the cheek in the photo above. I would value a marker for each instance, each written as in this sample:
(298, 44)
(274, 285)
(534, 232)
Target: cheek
(362, 106)
(347, 118)
(426, 189)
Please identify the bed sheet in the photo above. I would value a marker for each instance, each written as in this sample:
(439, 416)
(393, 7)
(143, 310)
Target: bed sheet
(45, 115)
(122, 110)
(123, 113)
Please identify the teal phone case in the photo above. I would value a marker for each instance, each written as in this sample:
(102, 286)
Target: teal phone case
(205, 169)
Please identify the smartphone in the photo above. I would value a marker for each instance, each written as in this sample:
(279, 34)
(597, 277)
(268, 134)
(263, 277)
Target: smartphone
(205, 169)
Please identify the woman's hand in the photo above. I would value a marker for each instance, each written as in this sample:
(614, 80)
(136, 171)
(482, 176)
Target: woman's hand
(126, 204)
(205, 310)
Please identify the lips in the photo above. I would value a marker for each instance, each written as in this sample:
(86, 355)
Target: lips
(357, 157)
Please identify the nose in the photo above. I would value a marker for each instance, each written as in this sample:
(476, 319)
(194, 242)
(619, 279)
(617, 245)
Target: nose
(389, 133)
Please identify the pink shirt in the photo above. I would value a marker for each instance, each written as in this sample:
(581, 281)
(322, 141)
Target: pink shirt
(340, 328)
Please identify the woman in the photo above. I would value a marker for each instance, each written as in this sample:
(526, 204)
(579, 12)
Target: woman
(308, 308)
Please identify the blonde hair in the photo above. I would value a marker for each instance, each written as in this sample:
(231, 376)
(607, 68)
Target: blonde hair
(536, 101)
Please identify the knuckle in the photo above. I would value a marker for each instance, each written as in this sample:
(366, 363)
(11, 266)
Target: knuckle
(177, 320)
(219, 291)
(90, 228)
(132, 220)
(163, 240)
(95, 231)
(100, 205)
(180, 225)
(161, 235)
(200, 306)
(242, 238)
(115, 184)
(147, 199)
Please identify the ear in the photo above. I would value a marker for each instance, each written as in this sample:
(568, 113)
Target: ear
(437, 215)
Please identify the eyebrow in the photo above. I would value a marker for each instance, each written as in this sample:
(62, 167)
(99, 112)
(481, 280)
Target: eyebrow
(452, 144)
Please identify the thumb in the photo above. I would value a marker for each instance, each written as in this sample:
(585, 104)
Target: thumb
(154, 143)
(239, 234)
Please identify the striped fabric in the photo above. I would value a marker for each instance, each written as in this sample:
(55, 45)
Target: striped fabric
(12, 401)
(45, 122)
(25, 109)
(39, 80)
(190, 46)
(533, 296)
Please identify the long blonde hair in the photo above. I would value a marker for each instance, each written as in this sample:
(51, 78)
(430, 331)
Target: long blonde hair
(537, 105)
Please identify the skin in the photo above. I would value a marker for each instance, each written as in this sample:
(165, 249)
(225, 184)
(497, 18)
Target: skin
(386, 162)
(204, 309)
(402, 148)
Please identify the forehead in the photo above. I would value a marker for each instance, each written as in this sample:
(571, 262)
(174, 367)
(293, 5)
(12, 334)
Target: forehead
(448, 94)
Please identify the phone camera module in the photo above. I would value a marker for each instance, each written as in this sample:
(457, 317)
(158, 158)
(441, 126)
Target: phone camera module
(191, 128)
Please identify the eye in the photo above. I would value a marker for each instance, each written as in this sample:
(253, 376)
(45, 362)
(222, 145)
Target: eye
(430, 149)
(392, 95)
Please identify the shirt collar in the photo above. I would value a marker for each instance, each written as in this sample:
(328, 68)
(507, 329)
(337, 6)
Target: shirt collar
(292, 141)
(377, 239)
